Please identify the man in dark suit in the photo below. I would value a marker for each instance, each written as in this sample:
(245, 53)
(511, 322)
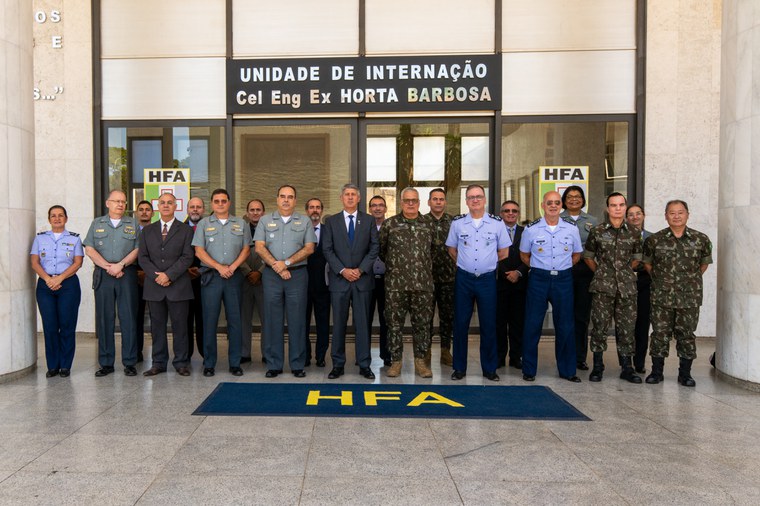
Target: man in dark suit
(510, 291)
(165, 253)
(350, 243)
(319, 296)
(195, 210)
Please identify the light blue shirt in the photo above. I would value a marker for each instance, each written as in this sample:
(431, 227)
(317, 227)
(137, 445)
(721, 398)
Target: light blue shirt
(551, 251)
(57, 255)
(477, 248)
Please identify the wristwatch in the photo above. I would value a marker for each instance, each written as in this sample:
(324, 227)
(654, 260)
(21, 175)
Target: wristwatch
(287, 263)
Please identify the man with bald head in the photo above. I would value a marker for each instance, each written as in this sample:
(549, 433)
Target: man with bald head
(111, 244)
(550, 246)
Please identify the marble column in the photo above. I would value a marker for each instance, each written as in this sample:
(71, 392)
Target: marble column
(18, 324)
(738, 319)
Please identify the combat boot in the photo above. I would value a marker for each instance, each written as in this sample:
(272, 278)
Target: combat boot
(628, 373)
(429, 356)
(598, 370)
(394, 370)
(422, 369)
(684, 373)
(658, 364)
(446, 358)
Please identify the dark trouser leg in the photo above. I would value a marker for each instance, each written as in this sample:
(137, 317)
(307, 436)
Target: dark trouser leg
(159, 311)
(295, 308)
(502, 326)
(515, 320)
(47, 301)
(68, 313)
(105, 312)
(485, 295)
(536, 298)
(232, 292)
(582, 310)
(464, 297)
(562, 310)
(642, 327)
(211, 296)
(126, 301)
(180, 336)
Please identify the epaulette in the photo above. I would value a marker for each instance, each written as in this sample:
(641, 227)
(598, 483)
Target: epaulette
(533, 222)
(42, 233)
(494, 217)
(73, 233)
(569, 220)
(458, 217)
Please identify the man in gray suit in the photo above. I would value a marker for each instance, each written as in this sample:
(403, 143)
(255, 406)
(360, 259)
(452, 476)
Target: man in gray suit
(350, 244)
(165, 253)
(253, 290)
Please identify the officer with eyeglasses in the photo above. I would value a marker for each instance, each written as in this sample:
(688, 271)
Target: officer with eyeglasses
(477, 241)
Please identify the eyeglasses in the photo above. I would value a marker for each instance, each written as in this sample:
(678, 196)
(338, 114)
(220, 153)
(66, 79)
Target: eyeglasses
(511, 211)
(574, 197)
(410, 202)
(476, 197)
(119, 202)
(553, 202)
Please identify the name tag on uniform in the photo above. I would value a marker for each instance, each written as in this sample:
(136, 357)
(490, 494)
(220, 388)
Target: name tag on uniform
(100, 230)
(210, 229)
(271, 225)
(296, 222)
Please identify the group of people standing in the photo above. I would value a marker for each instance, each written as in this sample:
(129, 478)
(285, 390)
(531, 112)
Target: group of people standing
(287, 266)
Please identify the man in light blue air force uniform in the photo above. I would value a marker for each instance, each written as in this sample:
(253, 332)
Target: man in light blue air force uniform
(476, 242)
(550, 246)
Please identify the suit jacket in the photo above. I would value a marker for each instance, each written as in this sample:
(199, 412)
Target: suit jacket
(511, 263)
(340, 254)
(172, 256)
(316, 265)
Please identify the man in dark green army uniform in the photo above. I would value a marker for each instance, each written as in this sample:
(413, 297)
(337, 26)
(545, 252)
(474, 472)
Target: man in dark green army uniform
(444, 271)
(405, 246)
(676, 257)
(612, 251)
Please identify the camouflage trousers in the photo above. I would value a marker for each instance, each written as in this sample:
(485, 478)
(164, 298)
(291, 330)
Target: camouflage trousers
(675, 322)
(603, 308)
(444, 299)
(419, 305)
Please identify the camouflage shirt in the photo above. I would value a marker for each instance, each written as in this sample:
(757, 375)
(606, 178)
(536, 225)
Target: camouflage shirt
(676, 273)
(444, 267)
(613, 249)
(405, 247)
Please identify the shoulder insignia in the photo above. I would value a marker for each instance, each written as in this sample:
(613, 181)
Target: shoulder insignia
(73, 234)
(533, 222)
(42, 233)
(458, 217)
(569, 220)
(494, 217)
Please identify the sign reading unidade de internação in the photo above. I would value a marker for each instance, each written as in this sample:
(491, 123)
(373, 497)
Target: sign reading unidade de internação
(364, 84)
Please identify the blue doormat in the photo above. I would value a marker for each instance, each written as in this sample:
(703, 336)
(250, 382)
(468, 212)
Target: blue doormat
(395, 401)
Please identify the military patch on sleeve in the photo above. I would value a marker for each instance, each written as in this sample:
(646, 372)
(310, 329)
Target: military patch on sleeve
(494, 217)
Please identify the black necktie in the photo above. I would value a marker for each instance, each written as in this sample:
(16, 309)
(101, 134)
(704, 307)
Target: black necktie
(351, 229)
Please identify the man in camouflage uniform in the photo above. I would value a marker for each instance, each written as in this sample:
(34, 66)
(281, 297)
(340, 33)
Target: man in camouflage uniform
(676, 257)
(612, 250)
(444, 271)
(405, 246)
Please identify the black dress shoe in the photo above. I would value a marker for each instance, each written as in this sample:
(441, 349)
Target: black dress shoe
(245, 360)
(528, 377)
(130, 371)
(491, 376)
(208, 371)
(65, 373)
(273, 373)
(457, 375)
(336, 373)
(51, 373)
(516, 363)
(236, 371)
(103, 371)
(583, 366)
(299, 373)
(320, 362)
(574, 379)
(367, 373)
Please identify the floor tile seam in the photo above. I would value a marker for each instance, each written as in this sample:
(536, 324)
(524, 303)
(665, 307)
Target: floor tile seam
(306, 460)
(439, 446)
(737, 408)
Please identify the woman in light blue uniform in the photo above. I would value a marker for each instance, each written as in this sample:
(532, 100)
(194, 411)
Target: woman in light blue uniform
(56, 257)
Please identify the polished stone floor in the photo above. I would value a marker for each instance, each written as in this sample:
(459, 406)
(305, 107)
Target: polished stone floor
(121, 440)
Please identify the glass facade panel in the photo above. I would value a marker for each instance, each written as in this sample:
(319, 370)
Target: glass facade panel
(316, 159)
(133, 149)
(601, 146)
(427, 156)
